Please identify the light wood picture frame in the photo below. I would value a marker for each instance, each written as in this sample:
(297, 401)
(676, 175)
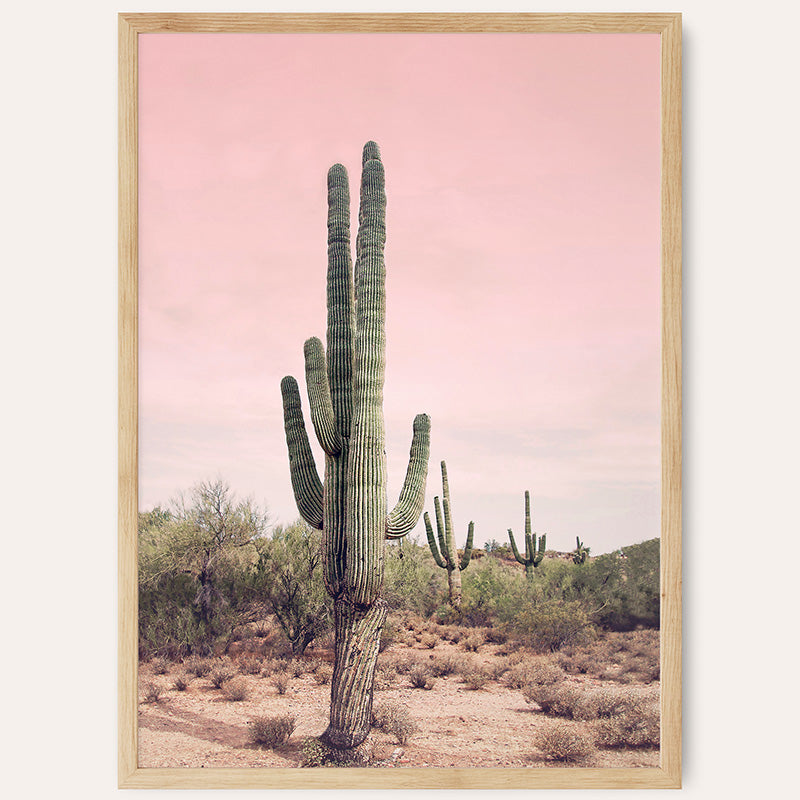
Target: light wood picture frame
(668, 774)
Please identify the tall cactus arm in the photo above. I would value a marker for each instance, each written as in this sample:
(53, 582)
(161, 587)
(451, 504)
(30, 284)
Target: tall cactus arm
(527, 513)
(405, 515)
(366, 477)
(440, 531)
(540, 553)
(465, 559)
(432, 542)
(319, 398)
(341, 304)
(514, 548)
(302, 468)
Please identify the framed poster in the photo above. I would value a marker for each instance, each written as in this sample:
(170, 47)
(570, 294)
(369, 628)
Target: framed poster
(473, 223)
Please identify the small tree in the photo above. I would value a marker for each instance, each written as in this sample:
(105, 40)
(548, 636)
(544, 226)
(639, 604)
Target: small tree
(289, 574)
(190, 557)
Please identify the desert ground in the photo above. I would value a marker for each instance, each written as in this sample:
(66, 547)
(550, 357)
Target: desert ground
(445, 697)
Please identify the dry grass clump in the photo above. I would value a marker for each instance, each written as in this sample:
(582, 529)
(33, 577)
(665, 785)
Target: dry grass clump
(475, 678)
(637, 725)
(496, 636)
(449, 664)
(560, 741)
(394, 719)
(235, 689)
(518, 675)
(181, 682)
(323, 673)
(272, 731)
(545, 673)
(296, 667)
(557, 699)
(197, 666)
(274, 665)
(421, 677)
(628, 657)
(281, 682)
(160, 666)
(473, 641)
(220, 674)
(428, 641)
(250, 665)
(152, 692)
(384, 677)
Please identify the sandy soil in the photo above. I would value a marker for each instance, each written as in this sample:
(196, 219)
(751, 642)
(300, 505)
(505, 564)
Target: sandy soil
(458, 727)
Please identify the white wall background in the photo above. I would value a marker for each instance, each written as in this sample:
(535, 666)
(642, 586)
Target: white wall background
(58, 396)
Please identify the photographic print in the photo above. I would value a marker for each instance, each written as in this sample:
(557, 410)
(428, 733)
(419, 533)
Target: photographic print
(406, 506)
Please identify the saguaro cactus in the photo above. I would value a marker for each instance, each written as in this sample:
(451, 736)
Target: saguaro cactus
(446, 554)
(345, 393)
(533, 557)
(580, 553)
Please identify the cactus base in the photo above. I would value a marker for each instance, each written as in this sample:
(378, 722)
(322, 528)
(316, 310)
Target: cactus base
(358, 633)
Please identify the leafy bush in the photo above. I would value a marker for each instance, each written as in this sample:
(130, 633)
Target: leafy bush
(289, 573)
(181, 683)
(281, 683)
(560, 741)
(272, 731)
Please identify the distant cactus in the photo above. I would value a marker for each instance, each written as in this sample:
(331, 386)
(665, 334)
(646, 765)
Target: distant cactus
(580, 553)
(533, 557)
(345, 392)
(446, 555)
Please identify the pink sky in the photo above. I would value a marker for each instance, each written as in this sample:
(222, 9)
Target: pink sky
(523, 263)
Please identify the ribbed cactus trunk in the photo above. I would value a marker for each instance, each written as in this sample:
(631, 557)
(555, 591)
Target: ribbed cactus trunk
(345, 391)
(446, 554)
(532, 557)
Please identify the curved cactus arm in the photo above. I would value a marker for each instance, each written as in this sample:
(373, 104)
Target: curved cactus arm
(319, 398)
(440, 531)
(514, 548)
(302, 468)
(341, 304)
(405, 515)
(465, 559)
(432, 543)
